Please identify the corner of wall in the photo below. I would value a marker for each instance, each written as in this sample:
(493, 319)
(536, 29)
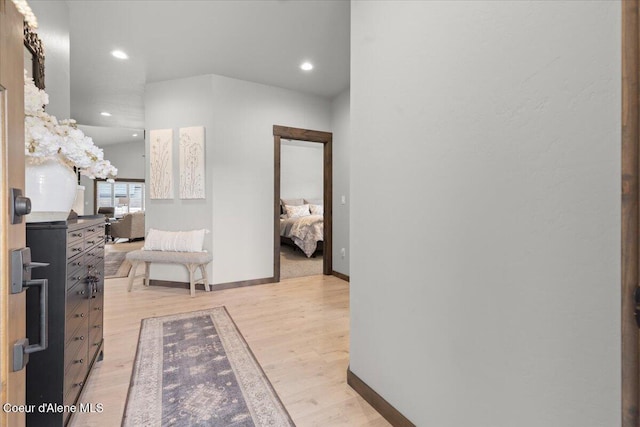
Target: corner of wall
(341, 126)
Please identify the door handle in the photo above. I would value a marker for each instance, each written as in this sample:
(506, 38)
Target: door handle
(21, 266)
(43, 284)
(21, 348)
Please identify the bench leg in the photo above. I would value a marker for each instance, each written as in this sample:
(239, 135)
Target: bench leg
(132, 274)
(205, 278)
(146, 273)
(192, 284)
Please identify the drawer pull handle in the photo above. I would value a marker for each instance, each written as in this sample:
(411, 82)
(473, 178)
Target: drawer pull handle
(80, 384)
(91, 229)
(80, 338)
(80, 315)
(96, 344)
(80, 361)
(81, 292)
(97, 326)
(91, 241)
(76, 234)
(76, 277)
(98, 308)
(76, 249)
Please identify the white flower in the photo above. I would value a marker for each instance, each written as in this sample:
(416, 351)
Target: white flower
(34, 98)
(45, 137)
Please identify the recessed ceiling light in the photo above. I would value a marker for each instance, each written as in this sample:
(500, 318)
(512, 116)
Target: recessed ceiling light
(119, 54)
(134, 135)
(106, 114)
(306, 66)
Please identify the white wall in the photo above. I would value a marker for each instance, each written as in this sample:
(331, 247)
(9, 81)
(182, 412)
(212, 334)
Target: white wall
(301, 170)
(340, 122)
(238, 117)
(53, 30)
(129, 158)
(485, 220)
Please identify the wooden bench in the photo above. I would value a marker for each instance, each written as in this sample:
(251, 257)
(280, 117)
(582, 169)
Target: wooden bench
(191, 260)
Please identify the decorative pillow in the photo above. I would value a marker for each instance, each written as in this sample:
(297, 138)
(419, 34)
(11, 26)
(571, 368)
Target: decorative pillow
(316, 209)
(176, 241)
(292, 202)
(314, 201)
(297, 211)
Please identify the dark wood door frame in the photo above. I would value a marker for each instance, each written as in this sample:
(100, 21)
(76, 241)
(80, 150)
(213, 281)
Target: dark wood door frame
(630, 236)
(325, 138)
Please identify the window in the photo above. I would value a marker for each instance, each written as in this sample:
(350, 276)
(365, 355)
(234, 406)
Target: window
(125, 196)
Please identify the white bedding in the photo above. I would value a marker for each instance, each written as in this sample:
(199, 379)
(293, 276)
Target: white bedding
(305, 231)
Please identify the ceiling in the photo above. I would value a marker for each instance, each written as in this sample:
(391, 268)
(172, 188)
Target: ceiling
(263, 41)
(102, 135)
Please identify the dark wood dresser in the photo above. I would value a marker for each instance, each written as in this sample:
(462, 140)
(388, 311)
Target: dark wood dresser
(75, 251)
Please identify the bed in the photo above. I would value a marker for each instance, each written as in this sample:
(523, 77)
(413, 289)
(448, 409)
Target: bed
(302, 225)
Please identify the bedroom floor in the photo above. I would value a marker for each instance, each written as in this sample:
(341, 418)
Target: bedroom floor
(294, 263)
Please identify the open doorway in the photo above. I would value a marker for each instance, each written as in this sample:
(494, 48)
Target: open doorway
(301, 207)
(300, 234)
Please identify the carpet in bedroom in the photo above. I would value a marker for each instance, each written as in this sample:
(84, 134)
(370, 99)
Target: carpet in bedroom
(294, 263)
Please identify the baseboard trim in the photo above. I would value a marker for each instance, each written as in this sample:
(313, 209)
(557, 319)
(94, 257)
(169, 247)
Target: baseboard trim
(216, 287)
(243, 283)
(340, 275)
(383, 407)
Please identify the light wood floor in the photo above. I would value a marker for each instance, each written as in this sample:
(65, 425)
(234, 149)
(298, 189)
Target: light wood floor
(298, 330)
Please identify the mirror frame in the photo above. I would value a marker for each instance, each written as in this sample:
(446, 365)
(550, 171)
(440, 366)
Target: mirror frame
(34, 45)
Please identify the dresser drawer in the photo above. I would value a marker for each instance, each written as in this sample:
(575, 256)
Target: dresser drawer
(75, 353)
(74, 297)
(93, 240)
(95, 255)
(74, 380)
(96, 310)
(95, 230)
(74, 269)
(74, 249)
(78, 274)
(95, 339)
(77, 323)
(79, 293)
(80, 336)
(95, 330)
(75, 235)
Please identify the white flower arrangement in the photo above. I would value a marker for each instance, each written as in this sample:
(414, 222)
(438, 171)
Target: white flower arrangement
(45, 137)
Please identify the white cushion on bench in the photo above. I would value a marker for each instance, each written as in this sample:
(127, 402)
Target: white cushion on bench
(175, 241)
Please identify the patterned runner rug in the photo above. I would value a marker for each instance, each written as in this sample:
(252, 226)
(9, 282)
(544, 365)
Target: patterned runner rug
(115, 265)
(196, 369)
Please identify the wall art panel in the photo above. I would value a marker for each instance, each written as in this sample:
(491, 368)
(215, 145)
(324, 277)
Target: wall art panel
(161, 164)
(192, 163)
